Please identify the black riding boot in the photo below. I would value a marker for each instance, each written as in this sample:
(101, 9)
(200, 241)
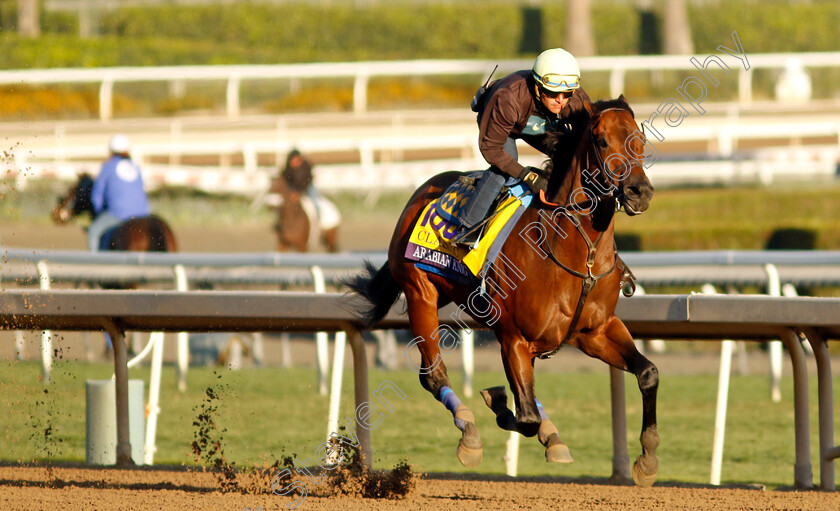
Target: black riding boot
(486, 190)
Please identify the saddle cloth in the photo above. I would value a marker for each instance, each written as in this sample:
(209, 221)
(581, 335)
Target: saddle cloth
(430, 244)
(326, 212)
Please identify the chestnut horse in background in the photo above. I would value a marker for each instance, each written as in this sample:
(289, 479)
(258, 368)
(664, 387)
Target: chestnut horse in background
(294, 227)
(557, 282)
(145, 234)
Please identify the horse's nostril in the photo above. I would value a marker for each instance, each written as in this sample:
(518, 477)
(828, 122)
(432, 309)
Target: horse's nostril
(633, 190)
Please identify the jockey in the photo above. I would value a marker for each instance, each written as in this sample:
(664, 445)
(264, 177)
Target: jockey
(525, 105)
(297, 174)
(117, 193)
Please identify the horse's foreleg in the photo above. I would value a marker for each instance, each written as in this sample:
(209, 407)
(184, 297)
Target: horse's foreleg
(555, 450)
(429, 335)
(616, 348)
(330, 239)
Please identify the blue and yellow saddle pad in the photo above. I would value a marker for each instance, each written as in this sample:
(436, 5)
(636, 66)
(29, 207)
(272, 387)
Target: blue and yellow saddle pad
(430, 244)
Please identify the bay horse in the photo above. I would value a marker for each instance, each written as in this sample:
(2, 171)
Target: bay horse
(295, 226)
(555, 283)
(145, 234)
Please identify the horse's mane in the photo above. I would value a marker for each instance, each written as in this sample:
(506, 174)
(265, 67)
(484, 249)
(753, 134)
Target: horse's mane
(562, 147)
(604, 104)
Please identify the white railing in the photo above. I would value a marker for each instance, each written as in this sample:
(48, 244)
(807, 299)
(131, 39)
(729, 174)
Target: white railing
(368, 168)
(361, 73)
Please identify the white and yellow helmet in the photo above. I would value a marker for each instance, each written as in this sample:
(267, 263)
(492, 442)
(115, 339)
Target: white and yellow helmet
(556, 70)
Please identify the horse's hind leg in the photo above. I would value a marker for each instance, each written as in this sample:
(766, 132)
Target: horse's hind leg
(429, 335)
(616, 348)
(555, 450)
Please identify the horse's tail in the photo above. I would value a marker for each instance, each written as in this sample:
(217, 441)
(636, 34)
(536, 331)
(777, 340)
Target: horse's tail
(378, 287)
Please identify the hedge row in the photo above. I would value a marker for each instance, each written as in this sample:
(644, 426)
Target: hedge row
(272, 33)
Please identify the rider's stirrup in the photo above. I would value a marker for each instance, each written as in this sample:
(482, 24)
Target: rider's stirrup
(469, 237)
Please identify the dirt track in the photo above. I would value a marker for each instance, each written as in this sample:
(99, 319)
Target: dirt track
(28, 488)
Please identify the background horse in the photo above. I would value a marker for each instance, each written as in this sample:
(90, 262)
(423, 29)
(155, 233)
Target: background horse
(146, 234)
(555, 283)
(294, 226)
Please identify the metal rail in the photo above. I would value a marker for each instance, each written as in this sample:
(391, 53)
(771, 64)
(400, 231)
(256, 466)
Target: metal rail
(688, 268)
(663, 316)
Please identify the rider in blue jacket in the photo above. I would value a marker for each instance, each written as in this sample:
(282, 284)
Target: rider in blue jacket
(118, 194)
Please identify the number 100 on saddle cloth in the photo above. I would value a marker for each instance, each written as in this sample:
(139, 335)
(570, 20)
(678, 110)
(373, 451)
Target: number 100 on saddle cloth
(430, 244)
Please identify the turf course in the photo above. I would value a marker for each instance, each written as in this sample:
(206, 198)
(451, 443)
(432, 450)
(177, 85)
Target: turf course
(265, 414)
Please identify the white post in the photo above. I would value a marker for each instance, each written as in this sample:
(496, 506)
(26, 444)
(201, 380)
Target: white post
(232, 96)
(468, 355)
(182, 337)
(106, 102)
(335, 388)
(512, 455)
(20, 345)
(46, 337)
(774, 288)
(257, 346)
(154, 398)
(360, 93)
(321, 340)
(722, 399)
(720, 412)
(616, 82)
(285, 350)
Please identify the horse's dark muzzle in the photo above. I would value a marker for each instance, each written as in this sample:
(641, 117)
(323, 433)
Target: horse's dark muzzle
(637, 197)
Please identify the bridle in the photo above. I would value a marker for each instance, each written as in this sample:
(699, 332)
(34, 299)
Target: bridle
(589, 280)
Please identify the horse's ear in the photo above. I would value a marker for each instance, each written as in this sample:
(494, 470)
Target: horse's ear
(621, 98)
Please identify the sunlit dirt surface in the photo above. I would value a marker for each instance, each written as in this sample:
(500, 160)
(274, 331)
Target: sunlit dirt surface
(78, 487)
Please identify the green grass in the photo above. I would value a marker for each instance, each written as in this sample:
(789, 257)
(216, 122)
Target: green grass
(736, 217)
(269, 413)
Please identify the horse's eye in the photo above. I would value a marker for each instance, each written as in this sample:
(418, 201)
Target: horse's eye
(602, 142)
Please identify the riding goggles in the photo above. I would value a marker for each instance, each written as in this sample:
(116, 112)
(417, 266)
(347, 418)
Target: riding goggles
(555, 81)
(553, 94)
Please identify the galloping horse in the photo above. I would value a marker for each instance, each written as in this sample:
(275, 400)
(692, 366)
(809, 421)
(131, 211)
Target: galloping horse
(296, 224)
(555, 283)
(146, 234)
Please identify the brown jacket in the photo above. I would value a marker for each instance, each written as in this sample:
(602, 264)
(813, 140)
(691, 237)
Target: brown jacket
(511, 109)
(298, 178)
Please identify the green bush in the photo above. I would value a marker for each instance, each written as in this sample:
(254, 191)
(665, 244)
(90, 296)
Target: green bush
(254, 33)
(261, 33)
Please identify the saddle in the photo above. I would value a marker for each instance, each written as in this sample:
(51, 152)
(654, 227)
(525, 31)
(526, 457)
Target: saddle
(431, 244)
(453, 200)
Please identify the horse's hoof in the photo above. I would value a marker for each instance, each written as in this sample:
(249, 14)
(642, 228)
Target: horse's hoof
(470, 458)
(558, 453)
(495, 396)
(643, 475)
(470, 450)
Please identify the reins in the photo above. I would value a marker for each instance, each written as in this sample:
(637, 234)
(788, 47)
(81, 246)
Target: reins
(589, 280)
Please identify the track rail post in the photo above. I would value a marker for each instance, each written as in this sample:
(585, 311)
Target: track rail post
(802, 476)
(121, 384)
(826, 408)
(621, 460)
(360, 371)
